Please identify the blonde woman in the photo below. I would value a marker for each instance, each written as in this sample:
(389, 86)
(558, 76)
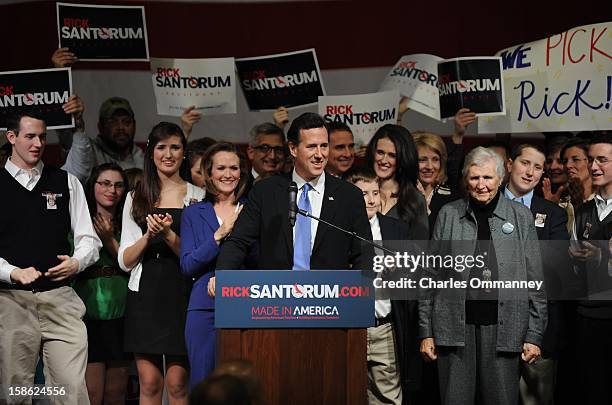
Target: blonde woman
(433, 173)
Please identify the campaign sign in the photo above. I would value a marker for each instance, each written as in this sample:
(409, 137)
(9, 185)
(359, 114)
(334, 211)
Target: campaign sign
(284, 80)
(293, 299)
(39, 92)
(559, 83)
(97, 32)
(207, 84)
(363, 113)
(416, 77)
(475, 83)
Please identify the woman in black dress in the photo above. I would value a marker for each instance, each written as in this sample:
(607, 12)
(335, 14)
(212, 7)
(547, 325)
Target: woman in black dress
(158, 293)
(393, 157)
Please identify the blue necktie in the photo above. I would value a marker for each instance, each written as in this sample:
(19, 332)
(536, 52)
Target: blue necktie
(301, 244)
(520, 200)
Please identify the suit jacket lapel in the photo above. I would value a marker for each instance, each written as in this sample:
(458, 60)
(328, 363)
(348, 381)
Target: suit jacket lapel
(282, 203)
(329, 208)
(210, 217)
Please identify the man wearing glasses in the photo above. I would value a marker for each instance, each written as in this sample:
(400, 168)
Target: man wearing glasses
(266, 151)
(591, 252)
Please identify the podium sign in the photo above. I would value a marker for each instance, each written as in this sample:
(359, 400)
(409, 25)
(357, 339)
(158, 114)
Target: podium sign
(293, 299)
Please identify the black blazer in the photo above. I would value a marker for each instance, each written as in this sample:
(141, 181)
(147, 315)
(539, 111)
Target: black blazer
(265, 219)
(557, 271)
(405, 315)
(556, 219)
(249, 185)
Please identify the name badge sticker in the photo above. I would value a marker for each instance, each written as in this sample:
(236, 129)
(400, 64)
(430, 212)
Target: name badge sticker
(540, 220)
(51, 199)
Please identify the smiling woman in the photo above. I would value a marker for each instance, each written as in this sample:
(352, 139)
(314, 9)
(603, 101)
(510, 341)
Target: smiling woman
(149, 252)
(433, 173)
(204, 227)
(103, 289)
(392, 155)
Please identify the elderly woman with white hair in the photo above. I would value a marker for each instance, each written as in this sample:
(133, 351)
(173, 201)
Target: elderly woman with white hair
(478, 333)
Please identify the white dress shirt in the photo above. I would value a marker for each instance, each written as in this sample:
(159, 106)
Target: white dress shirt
(254, 174)
(604, 208)
(131, 232)
(86, 242)
(315, 195)
(382, 303)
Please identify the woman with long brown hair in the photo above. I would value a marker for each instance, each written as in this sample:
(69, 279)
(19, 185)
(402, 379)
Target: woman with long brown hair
(150, 243)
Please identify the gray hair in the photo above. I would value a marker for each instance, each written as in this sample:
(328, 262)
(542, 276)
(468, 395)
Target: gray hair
(479, 157)
(267, 128)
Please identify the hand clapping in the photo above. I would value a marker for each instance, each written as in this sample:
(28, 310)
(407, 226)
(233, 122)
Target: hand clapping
(159, 224)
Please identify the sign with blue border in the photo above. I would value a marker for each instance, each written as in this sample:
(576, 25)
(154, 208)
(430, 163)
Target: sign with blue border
(293, 299)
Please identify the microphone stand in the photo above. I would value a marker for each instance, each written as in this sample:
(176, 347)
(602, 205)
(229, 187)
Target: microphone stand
(353, 234)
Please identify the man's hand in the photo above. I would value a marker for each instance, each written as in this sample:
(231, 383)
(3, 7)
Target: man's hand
(281, 117)
(188, 119)
(531, 353)
(463, 119)
(67, 268)
(361, 151)
(76, 107)
(428, 349)
(62, 57)
(547, 191)
(588, 251)
(25, 276)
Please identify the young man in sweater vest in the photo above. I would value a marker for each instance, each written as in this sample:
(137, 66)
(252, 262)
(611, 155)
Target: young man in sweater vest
(592, 252)
(40, 312)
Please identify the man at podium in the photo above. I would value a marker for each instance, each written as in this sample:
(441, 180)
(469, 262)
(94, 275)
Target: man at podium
(309, 244)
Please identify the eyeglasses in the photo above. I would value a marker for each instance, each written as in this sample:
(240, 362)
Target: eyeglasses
(265, 149)
(600, 160)
(109, 184)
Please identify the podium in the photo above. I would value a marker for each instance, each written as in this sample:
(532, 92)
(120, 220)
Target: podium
(305, 359)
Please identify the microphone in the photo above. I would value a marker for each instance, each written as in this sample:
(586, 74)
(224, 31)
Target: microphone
(293, 190)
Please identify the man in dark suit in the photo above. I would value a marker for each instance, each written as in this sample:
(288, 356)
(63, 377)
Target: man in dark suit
(525, 169)
(310, 244)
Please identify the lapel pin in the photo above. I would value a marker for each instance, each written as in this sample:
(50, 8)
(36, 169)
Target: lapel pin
(540, 220)
(331, 198)
(507, 228)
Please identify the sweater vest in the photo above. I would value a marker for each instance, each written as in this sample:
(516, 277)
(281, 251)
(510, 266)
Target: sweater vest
(34, 225)
(596, 280)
